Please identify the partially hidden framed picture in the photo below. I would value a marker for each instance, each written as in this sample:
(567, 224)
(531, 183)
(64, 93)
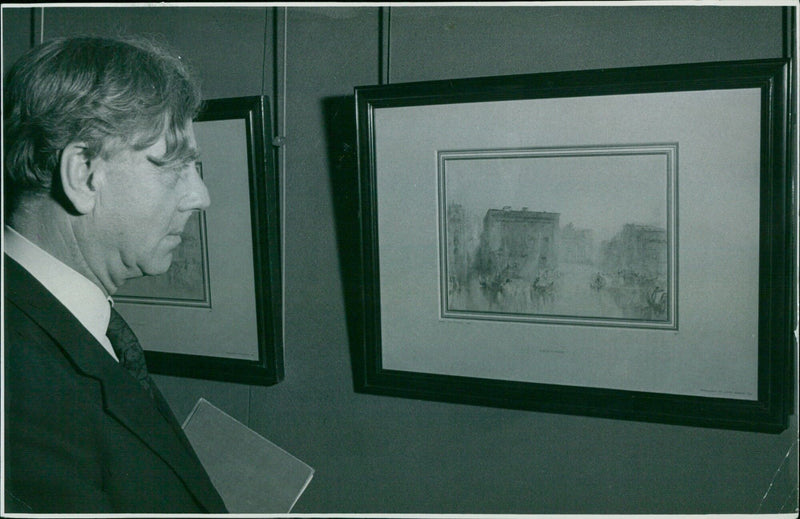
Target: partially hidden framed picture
(615, 243)
(217, 312)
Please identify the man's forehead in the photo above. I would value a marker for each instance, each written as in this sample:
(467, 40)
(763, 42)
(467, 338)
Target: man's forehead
(190, 136)
(191, 140)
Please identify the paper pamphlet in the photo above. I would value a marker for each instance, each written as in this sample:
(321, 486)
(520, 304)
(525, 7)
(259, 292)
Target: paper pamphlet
(251, 474)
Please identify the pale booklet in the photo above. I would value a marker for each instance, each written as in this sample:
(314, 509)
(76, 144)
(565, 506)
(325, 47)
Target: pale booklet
(252, 474)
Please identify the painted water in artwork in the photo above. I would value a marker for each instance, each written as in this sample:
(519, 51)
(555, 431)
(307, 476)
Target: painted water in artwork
(564, 234)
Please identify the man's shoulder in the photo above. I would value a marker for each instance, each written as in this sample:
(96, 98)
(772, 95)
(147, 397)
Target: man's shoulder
(24, 298)
(36, 326)
(19, 284)
(28, 346)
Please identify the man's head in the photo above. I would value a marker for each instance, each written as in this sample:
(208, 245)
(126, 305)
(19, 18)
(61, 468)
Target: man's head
(102, 128)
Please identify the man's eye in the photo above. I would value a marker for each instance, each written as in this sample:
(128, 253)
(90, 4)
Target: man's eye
(182, 169)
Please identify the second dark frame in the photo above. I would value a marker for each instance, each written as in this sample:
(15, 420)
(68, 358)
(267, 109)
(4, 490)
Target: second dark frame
(695, 330)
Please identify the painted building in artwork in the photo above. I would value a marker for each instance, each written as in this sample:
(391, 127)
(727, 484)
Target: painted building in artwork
(576, 245)
(637, 248)
(459, 253)
(518, 243)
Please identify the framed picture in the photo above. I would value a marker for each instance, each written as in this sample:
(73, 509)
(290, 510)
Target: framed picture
(614, 243)
(216, 313)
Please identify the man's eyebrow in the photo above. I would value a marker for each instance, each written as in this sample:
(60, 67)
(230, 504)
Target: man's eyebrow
(187, 155)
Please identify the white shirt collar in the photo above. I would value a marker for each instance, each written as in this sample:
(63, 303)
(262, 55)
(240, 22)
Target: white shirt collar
(82, 298)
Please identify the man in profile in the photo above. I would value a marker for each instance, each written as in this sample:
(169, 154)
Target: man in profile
(99, 181)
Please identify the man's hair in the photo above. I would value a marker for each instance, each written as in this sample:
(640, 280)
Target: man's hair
(109, 94)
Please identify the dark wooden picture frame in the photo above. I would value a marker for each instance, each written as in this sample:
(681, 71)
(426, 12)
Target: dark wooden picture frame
(235, 333)
(409, 346)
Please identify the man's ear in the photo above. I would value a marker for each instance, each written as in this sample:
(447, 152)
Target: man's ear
(79, 179)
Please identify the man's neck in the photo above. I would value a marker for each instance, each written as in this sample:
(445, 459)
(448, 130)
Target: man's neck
(51, 229)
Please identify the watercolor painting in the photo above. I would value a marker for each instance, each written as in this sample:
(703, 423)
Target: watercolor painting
(562, 233)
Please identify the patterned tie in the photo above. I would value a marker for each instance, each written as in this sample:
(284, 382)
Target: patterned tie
(128, 350)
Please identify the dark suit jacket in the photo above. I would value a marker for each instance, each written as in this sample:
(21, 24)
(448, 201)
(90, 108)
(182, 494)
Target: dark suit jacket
(81, 435)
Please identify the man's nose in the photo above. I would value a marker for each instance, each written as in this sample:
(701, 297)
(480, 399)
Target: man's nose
(197, 197)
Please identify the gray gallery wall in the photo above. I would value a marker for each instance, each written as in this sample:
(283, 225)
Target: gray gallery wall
(382, 454)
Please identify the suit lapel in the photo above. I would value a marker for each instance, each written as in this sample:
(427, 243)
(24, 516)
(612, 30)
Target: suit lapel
(123, 396)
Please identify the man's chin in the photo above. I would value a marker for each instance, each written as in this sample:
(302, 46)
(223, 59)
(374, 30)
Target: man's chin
(156, 268)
